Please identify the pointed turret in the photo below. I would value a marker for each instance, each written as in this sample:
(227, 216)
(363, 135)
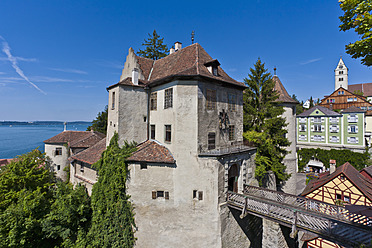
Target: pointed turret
(341, 75)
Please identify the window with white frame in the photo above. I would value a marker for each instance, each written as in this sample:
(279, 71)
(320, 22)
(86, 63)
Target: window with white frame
(168, 98)
(350, 99)
(317, 119)
(352, 129)
(334, 129)
(302, 128)
(334, 139)
(341, 92)
(352, 118)
(317, 138)
(302, 120)
(302, 137)
(363, 108)
(352, 140)
(317, 128)
(355, 99)
(333, 119)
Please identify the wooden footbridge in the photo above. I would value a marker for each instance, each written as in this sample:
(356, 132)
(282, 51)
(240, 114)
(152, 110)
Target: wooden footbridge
(326, 221)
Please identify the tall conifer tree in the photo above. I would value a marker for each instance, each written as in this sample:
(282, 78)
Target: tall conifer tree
(263, 123)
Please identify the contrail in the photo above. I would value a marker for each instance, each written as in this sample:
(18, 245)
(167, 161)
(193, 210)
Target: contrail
(13, 61)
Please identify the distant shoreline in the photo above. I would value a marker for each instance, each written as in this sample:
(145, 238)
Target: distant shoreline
(24, 123)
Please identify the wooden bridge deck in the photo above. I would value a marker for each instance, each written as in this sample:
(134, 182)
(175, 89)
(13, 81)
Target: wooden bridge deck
(328, 221)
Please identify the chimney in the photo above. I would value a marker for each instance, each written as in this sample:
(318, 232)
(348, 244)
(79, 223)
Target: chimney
(332, 166)
(171, 50)
(178, 46)
(135, 76)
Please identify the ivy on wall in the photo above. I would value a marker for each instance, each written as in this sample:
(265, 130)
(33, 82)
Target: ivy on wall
(358, 160)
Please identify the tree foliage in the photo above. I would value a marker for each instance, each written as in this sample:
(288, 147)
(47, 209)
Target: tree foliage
(357, 16)
(100, 123)
(112, 220)
(263, 123)
(34, 211)
(358, 160)
(154, 47)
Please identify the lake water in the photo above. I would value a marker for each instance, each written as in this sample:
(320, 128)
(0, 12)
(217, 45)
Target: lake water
(20, 139)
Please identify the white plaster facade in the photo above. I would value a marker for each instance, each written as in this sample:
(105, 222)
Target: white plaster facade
(58, 154)
(341, 75)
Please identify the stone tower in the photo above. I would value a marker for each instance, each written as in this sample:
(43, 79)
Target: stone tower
(341, 75)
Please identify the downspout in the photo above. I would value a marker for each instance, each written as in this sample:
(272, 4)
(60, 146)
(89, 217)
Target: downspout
(148, 111)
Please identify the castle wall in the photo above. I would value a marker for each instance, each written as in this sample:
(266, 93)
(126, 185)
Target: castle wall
(58, 162)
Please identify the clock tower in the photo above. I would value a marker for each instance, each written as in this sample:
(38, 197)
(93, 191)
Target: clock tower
(341, 76)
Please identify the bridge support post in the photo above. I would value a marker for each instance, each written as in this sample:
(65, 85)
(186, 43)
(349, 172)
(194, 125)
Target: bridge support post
(244, 211)
(294, 225)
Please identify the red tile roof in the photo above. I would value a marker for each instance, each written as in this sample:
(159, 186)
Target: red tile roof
(153, 152)
(5, 161)
(187, 62)
(283, 94)
(92, 154)
(76, 138)
(359, 181)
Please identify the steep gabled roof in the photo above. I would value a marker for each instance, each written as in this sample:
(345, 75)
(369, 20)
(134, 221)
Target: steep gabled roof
(326, 111)
(366, 88)
(92, 154)
(153, 152)
(335, 93)
(359, 181)
(283, 94)
(187, 62)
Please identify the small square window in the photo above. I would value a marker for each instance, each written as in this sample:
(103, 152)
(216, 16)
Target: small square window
(143, 166)
(168, 133)
(338, 196)
(346, 199)
(159, 193)
(58, 151)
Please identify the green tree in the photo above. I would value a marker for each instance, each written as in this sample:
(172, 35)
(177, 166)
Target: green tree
(25, 197)
(154, 47)
(311, 102)
(357, 16)
(69, 216)
(100, 123)
(263, 123)
(112, 220)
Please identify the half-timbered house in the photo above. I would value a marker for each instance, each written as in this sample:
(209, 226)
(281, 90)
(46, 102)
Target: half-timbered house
(344, 186)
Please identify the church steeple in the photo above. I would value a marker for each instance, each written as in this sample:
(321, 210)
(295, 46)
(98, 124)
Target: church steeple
(341, 75)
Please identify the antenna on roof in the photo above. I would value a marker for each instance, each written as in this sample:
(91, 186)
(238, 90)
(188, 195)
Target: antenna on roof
(274, 70)
(192, 37)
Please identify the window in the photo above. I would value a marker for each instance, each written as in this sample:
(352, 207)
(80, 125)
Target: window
(168, 98)
(338, 197)
(340, 72)
(327, 100)
(346, 199)
(355, 99)
(352, 118)
(349, 99)
(200, 195)
(302, 128)
(341, 79)
(342, 177)
(317, 128)
(369, 108)
(363, 108)
(160, 194)
(153, 101)
(302, 137)
(58, 151)
(168, 133)
(58, 167)
(334, 129)
(152, 131)
(334, 139)
(333, 119)
(211, 141)
(341, 92)
(317, 119)
(302, 119)
(232, 102)
(231, 132)
(317, 138)
(113, 100)
(194, 193)
(332, 100)
(143, 166)
(81, 167)
(211, 99)
(353, 129)
(352, 140)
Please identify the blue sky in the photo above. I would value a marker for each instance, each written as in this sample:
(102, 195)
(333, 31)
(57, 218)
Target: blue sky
(57, 57)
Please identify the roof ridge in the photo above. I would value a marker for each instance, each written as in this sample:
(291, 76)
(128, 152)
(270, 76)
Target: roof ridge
(197, 58)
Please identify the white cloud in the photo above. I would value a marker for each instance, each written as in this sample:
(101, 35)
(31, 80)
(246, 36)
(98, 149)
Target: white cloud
(68, 70)
(13, 61)
(2, 73)
(20, 59)
(310, 61)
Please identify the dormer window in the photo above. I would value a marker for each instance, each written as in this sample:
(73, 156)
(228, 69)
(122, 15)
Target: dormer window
(212, 67)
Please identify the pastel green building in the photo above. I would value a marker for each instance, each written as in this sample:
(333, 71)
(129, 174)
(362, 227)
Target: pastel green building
(324, 128)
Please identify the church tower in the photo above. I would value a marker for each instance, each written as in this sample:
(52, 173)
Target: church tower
(341, 77)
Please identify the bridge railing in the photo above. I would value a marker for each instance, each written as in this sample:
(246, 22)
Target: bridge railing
(334, 211)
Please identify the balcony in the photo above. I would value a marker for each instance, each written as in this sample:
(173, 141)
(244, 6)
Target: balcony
(234, 148)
